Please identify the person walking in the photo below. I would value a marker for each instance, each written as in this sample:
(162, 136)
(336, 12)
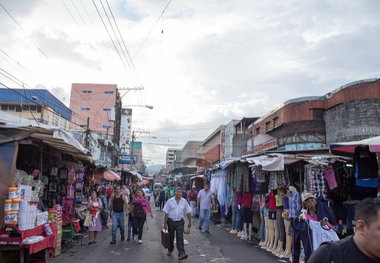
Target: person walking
(175, 210)
(140, 208)
(118, 206)
(204, 203)
(161, 198)
(192, 200)
(95, 224)
(363, 246)
(130, 217)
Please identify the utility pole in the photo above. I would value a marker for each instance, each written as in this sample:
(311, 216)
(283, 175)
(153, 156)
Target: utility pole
(127, 90)
(87, 137)
(133, 140)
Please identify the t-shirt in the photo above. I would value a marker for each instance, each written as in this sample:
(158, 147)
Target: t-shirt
(205, 199)
(170, 192)
(348, 248)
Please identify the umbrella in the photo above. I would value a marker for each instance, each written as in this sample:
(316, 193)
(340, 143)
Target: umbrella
(111, 176)
(349, 147)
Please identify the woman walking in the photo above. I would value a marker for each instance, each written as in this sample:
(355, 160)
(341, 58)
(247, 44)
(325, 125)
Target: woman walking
(94, 207)
(140, 208)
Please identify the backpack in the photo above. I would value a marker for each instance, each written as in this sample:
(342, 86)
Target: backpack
(193, 195)
(138, 210)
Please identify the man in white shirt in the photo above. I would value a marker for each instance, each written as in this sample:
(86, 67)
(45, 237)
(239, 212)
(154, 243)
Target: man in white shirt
(175, 210)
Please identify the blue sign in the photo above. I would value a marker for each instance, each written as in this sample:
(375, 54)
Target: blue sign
(128, 159)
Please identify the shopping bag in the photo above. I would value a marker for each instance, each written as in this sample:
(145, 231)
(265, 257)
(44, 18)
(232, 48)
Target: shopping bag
(86, 222)
(165, 238)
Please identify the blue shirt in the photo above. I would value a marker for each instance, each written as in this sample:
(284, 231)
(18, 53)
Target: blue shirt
(205, 199)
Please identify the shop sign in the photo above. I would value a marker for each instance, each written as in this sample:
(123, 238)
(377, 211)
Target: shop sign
(128, 159)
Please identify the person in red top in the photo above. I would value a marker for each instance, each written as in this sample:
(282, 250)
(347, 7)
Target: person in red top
(140, 208)
(109, 192)
(192, 200)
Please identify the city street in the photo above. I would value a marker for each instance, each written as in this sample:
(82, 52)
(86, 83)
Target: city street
(219, 246)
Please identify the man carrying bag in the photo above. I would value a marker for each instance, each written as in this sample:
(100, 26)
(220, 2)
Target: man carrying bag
(175, 210)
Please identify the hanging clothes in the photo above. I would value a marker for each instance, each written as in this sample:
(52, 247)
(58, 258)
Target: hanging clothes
(366, 163)
(245, 175)
(330, 177)
(272, 181)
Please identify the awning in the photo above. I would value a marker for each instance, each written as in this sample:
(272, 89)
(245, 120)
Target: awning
(201, 176)
(349, 147)
(269, 162)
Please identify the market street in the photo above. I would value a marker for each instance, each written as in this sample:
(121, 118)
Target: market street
(219, 246)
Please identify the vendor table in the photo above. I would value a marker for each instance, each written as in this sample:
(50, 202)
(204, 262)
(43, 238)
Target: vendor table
(14, 242)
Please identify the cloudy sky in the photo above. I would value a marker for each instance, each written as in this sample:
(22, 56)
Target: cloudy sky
(204, 63)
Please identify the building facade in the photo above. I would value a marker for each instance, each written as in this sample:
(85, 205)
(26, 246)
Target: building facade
(310, 123)
(173, 158)
(96, 102)
(36, 104)
(189, 155)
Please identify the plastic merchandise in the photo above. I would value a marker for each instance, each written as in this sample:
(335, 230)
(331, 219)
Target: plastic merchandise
(32, 240)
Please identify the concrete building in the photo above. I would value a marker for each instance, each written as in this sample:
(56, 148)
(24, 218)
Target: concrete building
(309, 123)
(125, 131)
(190, 154)
(173, 158)
(36, 104)
(213, 147)
(97, 102)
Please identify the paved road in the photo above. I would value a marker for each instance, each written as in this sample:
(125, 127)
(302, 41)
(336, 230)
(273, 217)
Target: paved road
(219, 247)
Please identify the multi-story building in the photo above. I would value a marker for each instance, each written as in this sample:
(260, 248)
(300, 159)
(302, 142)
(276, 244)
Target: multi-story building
(125, 131)
(173, 158)
(35, 104)
(189, 155)
(137, 155)
(213, 146)
(308, 123)
(96, 102)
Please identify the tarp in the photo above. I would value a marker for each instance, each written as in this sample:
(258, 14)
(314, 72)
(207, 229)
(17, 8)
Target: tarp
(349, 147)
(111, 176)
(268, 162)
(224, 164)
(13, 128)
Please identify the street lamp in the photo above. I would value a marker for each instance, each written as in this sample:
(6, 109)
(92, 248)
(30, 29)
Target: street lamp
(145, 106)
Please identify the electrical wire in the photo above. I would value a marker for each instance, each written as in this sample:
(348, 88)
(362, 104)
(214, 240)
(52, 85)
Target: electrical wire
(22, 30)
(150, 32)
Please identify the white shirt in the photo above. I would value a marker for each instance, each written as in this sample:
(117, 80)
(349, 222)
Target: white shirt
(176, 211)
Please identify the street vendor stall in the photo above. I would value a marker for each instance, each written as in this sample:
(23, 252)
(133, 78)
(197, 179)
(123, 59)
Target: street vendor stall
(42, 177)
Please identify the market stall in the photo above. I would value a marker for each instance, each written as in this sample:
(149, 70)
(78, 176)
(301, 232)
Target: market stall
(43, 177)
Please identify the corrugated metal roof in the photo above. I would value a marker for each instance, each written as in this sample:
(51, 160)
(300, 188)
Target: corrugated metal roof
(43, 95)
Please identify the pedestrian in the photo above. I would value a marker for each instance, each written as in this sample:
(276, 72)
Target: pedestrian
(109, 192)
(140, 208)
(125, 191)
(175, 210)
(130, 217)
(105, 211)
(363, 246)
(192, 200)
(161, 198)
(95, 224)
(118, 206)
(205, 201)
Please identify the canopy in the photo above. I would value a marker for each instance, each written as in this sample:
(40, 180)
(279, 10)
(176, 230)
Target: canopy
(111, 176)
(349, 147)
(10, 131)
(268, 162)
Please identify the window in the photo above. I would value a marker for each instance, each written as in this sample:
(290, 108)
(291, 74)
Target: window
(86, 109)
(267, 125)
(106, 126)
(257, 130)
(108, 92)
(106, 109)
(275, 122)
(87, 91)
(83, 126)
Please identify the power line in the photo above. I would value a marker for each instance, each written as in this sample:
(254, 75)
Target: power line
(121, 36)
(68, 10)
(146, 38)
(19, 26)
(101, 18)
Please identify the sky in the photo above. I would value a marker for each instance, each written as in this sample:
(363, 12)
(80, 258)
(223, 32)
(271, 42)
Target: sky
(202, 63)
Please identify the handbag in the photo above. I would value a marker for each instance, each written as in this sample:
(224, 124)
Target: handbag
(165, 238)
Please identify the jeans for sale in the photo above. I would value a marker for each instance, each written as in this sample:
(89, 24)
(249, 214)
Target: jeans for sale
(117, 221)
(138, 224)
(204, 218)
(130, 226)
(262, 225)
(193, 205)
(234, 217)
(301, 233)
(239, 219)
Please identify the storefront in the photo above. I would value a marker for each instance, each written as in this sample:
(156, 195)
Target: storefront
(45, 176)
